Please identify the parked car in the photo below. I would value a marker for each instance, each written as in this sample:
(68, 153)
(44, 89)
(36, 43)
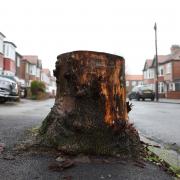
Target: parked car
(141, 92)
(8, 90)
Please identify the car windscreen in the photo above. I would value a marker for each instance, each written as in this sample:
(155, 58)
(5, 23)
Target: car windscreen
(145, 88)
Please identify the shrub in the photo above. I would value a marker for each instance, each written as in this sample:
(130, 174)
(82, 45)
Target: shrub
(37, 87)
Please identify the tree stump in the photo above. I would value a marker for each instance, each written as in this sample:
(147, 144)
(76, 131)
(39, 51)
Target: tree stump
(90, 111)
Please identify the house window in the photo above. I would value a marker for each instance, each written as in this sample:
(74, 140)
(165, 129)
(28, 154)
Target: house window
(171, 87)
(168, 68)
(38, 72)
(127, 83)
(161, 70)
(144, 74)
(140, 83)
(1, 45)
(32, 69)
(18, 62)
(133, 83)
(161, 87)
(27, 68)
(177, 86)
(151, 73)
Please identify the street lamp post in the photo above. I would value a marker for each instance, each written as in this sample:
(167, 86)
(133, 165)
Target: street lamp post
(156, 66)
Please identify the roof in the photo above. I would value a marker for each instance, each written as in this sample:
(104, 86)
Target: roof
(134, 77)
(2, 34)
(175, 56)
(46, 71)
(32, 59)
(166, 58)
(18, 54)
(8, 42)
(148, 64)
(162, 58)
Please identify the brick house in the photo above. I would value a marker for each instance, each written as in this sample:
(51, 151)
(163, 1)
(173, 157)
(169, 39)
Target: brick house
(133, 80)
(46, 76)
(168, 73)
(18, 65)
(49, 81)
(30, 69)
(53, 86)
(148, 73)
(2, 36)
(9, 50)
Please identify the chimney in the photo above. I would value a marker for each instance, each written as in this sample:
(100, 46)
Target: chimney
(175, 49)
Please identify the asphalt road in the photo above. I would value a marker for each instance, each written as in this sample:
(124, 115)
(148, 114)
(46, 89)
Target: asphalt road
(16, 118)
(158, 121)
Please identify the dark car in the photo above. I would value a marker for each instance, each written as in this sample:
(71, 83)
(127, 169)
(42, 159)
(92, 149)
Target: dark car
(8, 90)
(141, 92)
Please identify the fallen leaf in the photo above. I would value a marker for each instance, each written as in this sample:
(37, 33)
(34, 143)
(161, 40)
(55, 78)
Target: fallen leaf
(8, 157)
(60, 159)
(60, 166)
(138, 165)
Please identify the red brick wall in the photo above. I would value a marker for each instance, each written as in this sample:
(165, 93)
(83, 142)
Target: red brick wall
(161, 95)
(9, 65)
(13, 66)
(22, 70)
(32, 77)
(161, 78)
(18, 72)
(148, 81)
(168, 77)
(173, 95)
(176, 70)
(1, 61)
(37, 78)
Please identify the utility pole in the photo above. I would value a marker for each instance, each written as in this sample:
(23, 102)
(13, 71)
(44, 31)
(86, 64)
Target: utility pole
(156, 66)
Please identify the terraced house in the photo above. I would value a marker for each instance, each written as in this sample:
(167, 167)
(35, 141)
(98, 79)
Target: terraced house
(9, 58)
(23, 68)
(168, 73)
(30, 69)
(132, 81)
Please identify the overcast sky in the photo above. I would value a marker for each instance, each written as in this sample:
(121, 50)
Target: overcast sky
(48, 28)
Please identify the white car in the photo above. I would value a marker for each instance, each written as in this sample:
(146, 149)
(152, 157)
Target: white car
(8, 89)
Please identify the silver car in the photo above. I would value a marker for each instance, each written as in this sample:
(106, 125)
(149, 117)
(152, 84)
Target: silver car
(8, 90)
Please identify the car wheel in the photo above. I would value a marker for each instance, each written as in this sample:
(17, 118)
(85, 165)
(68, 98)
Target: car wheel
(143, 99)
(2, 100)
(131, 97)
(138, 99)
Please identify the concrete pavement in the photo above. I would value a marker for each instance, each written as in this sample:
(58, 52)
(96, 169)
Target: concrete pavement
(173, 101)
(171, 157)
